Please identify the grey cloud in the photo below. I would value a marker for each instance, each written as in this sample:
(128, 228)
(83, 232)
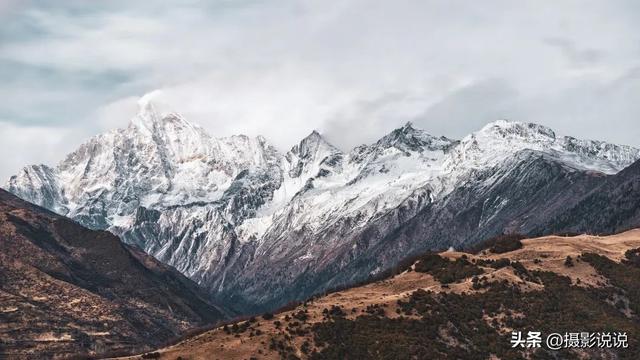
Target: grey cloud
(373, 116)
(469, 108)
(353, 69)
(576, 55)
(36, 94)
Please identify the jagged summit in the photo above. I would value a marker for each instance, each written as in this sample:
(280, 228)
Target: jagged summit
(409, 139)
(506, 128)
(154, 118)
(311, 154)
(158, 161)
(499, 139)
(311, 144)
(147, 110)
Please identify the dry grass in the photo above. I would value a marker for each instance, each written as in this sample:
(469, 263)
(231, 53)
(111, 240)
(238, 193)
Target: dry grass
(545, 253)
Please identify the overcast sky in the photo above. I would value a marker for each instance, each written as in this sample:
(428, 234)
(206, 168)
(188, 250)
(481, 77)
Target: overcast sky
(353, 70)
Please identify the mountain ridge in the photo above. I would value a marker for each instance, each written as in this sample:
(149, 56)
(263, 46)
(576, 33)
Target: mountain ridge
(227, 212)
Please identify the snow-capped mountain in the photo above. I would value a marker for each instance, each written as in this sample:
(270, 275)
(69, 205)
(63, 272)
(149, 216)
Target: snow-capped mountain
(501, 138)
(260, 227)
(156, 162)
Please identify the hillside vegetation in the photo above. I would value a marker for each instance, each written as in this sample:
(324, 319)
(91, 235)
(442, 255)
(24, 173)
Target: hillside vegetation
(454, 305)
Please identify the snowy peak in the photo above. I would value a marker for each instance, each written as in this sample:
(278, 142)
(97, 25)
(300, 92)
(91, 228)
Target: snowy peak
(158, 161)
(150, 121)
(405, 141)
(617, 155)
(410, 139)
(312, 155)
(312, 145)
(148, 117)
(181, 142)
(243, 152)
(517, 130)
(500, 139)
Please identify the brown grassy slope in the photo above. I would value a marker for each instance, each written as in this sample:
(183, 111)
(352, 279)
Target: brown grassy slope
(263, 339)
(66, 290)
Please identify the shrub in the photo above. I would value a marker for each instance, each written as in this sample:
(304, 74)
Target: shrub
(500, 263)
(335, 311)
(568, 262)
(430, 262)
(506, 243)
(301, 315)
(447, 271)
(306, 347)
(499, 244)
(632, 257)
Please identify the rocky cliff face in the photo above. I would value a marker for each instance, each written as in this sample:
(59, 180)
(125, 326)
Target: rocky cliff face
(612, 206)
(258, 227)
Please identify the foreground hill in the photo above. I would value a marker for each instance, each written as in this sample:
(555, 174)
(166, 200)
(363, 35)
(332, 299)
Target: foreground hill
(67, 290)
(455, 305)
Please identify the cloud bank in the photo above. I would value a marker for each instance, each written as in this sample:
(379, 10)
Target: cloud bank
(350, 69)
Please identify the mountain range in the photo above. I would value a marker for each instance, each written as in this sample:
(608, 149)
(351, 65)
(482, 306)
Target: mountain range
(258, 227)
